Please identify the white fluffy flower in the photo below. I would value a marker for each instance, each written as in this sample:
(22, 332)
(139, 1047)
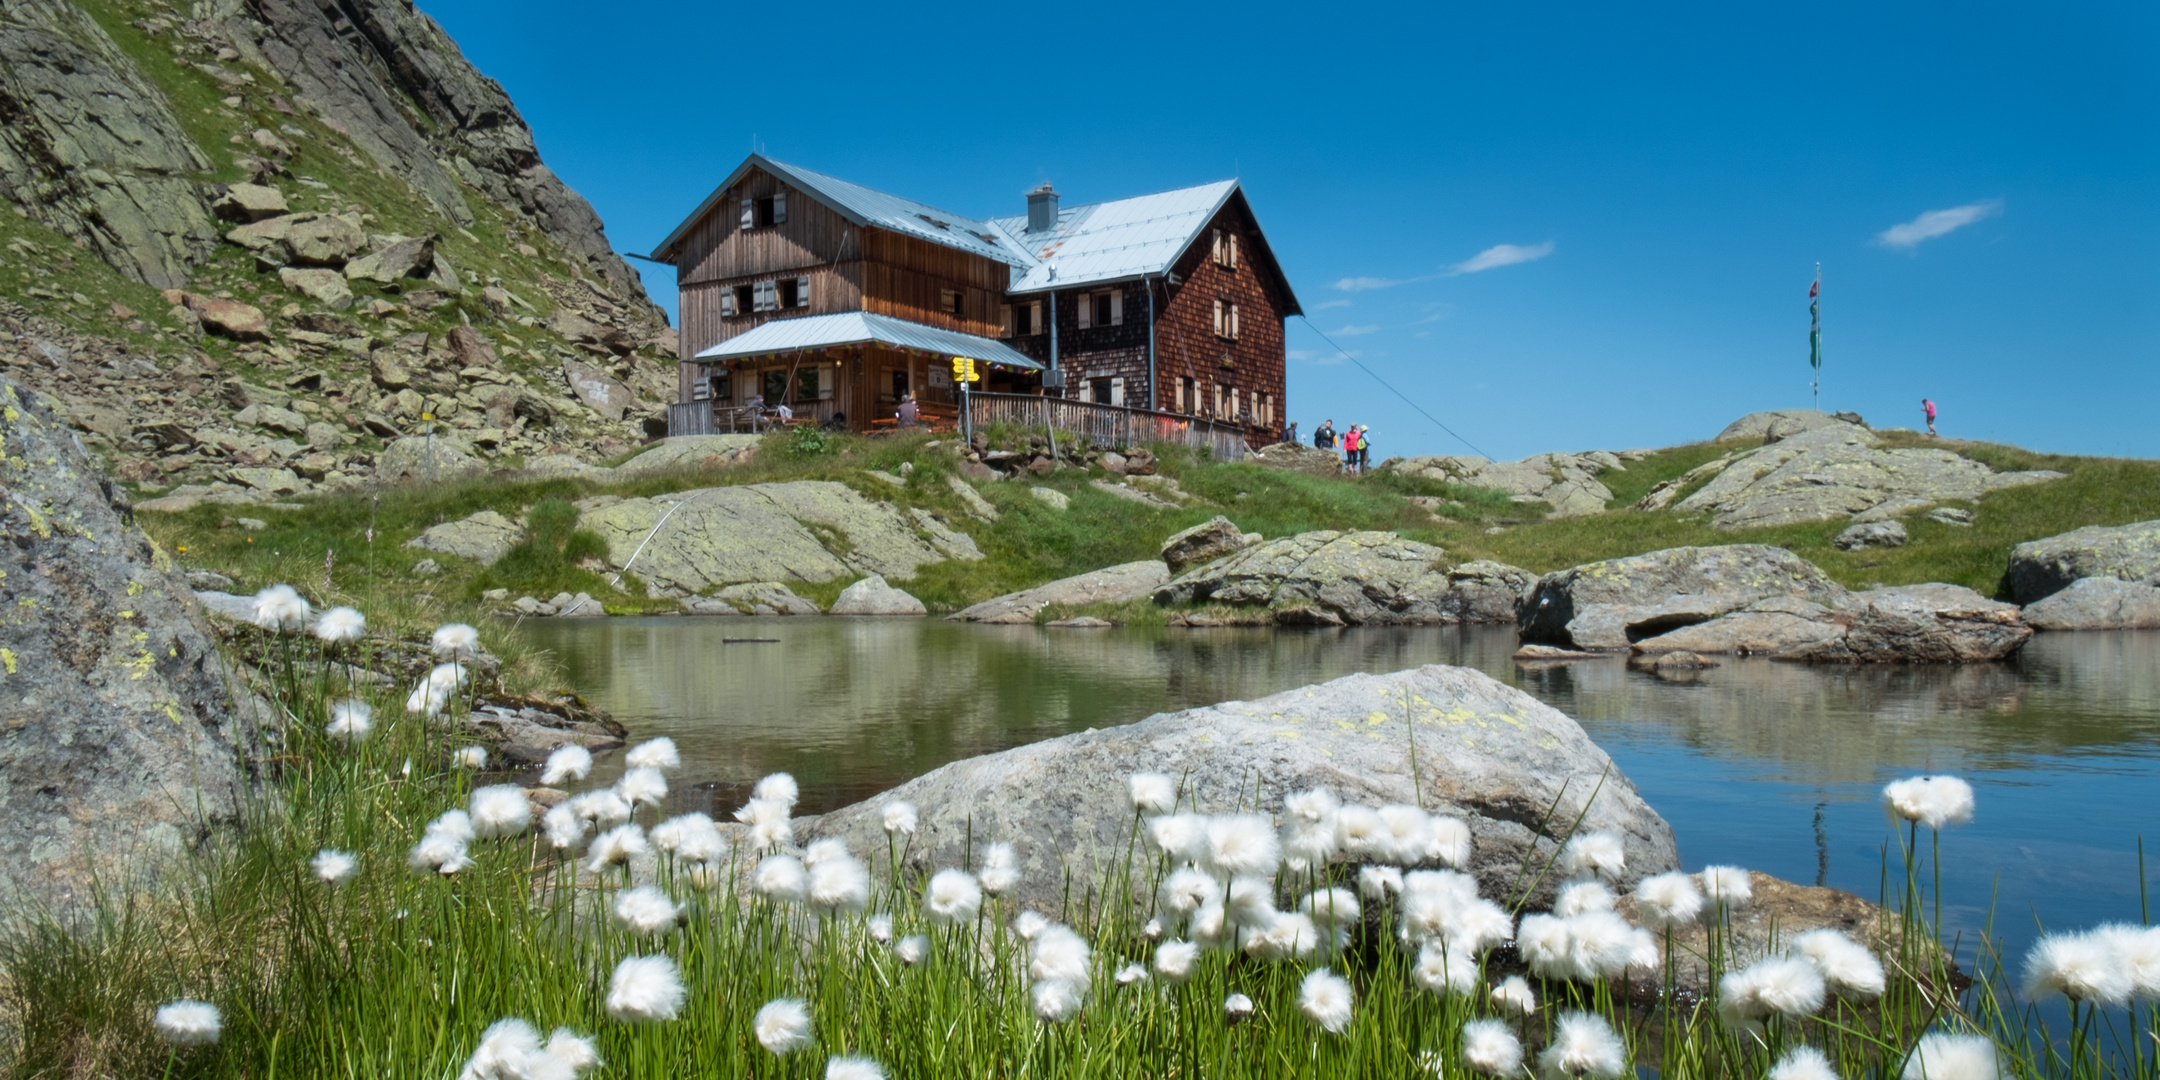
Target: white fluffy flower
(506, 1050)
(1490, 1048)
(779, 788)
(1543, 941)
(1601, 945)
(781, 878)
(281, 609)
(1060, 955)
(1846, 965)
(2139, 947)
(565, 830)
(1252, 900)
(1600, 854)
(470, 757)
(1803, 1063)
(616, 847)
(1180, 836)
(500, 810)
(453, 823)
(1152, 793)
(439, 853)
(2081, 967)
(1376, 882)
(643, 787)
(1666, 901)
(1186, 891)
(1308, 846)
(1933, 801)
(605, 808)
(690, 837)
(1175, 961)
(840, 883)
(1130, 974)
(350, 721)
(657, 753)
(1056, 1000)
(1314, 807)
(341, 624)
(334, 867)
(1514, 995)
(569, 762)
(952, 897)
(1440, 970)
(1027, 924)
(1448, 842)
(853, 1068)
(900, 817)
(1952, 1057)
(189, 1023)
(1331, 907)
(1000, 869)
(1325, 999)
(1780, 985)
(646, 911)
(645, 988)
(455, 641)
(437, 690)
(1154, 929)
(879, 927)
(1361, 833)
(782, 1026)
(1726, 887)
(573, 1050)
(1236, 1007)
(1583, 1044)
(1409, 833)
(1283, 936)
(912, 949)
(1242, 844)
(1576, 897)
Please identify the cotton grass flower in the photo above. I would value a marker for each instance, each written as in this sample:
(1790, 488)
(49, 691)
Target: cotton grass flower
(1488, 1047)
(189, 1023)
(1284, 936)
(455, 641)
(437, 690)
(781, 878)
(2139, 948)
(1583, 1044)
(645, 988)
(1325, 999)
(1376, 882)
(657, 753)
(782, 1026)
(1000, 869)
(1726, 888)
(1236, 1007)
(1409, 829)
(1152, 793)
(1576, 897)
(1847, 966)
(281, 609)
(341, 624)
(1027, 924)
(470, 757)
(900, 817)
(1441, 971)
(1242, 844)
(1362, 834)
(1331, 907)
(1803, 1063)
(2081, 967)
(779, 788)
(912, 949)
(500, 810)
(1314, 807)
(1448, 842)
(1931, 801)
(569, 762)
(443, 847)
(1057, 1000)
(616, 847)
(1600, 944)
(853, 1068)
(351, 721)
(506, 1049)
(1779, 986)
(952, 897)
(1176, 961)
(1594, 853)
(1252, 900)
(334, 867)
(647, 912)
(1667, 901)
(573, 1050)
(1154, 930)
(1308, 846)
(1060, 955)
(643, 787)
(1952, 1057)
(1130, 974)
(879, 927)
(690, 837)
(838, 884)
(1514, 995)
(605, 808)
(1186, 891)
(1181, 836)
(565, 830)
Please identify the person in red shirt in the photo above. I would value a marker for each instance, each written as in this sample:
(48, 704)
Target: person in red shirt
(1929, 408)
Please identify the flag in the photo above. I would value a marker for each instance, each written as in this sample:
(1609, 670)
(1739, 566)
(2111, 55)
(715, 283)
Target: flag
(1814, 332)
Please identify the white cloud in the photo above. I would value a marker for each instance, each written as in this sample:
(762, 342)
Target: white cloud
(1501, 255)
(1354, 331)
(1360, 284)
(1936, 223)
(1333, 303)
(1309, 357)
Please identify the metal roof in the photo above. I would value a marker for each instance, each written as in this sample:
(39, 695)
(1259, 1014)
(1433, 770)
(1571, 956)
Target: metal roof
(862, 327)
(1110, 241)
(869, 206)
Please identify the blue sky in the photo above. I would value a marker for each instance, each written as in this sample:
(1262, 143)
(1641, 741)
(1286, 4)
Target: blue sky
(1664, 180)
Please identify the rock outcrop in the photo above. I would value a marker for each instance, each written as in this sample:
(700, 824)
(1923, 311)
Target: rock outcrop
(1119, 584)
(2097, 603)
(1909, 624)
(1770, 427)
(2042, 568)
(1566, 482)
(483, 537)
(1335, 578)
(1838, 471)
(872, 596)
(1296, 457)
(1211, 539)
(1614, 603)
(1518, 772)
(751, 598)
(121, 738)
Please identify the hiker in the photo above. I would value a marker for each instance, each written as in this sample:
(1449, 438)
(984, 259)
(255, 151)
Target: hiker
(1929, 408)
(1323, 437)
(1350, 448)
(908, 411)
(1289, 434)
(1364, 448)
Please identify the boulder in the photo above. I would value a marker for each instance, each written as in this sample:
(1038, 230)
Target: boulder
(471, 350)
(2041, 568)
(483, 537)
(1052, 497)
(394, 259)
(123, 745)
(267, 480)
(1908, 624)
(228, 318)
(2097, 603)
(872, 596)
(388, 370)
(1205, 542)
(977, 506)
(1837, 471)
(754, 598)
(806, 530)
(601, 392)
(440, 456)
(1296, 457)
(954, 543)
(1871, 534)
(323, 239)
(1120, 584)
(1614, 603)
(326, 287)
(1332, 578)
(249, 202)
(690, 452)
(1566, 482)
(1770, 427)
(1517, 771)
(1764, 928)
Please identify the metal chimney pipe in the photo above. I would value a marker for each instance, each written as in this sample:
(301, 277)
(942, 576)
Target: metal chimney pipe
(1042, 209)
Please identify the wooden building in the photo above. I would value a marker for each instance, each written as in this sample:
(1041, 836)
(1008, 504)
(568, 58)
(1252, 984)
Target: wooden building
(801, 287)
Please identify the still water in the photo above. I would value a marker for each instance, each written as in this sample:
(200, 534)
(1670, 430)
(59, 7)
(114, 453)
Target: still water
(1767, 765)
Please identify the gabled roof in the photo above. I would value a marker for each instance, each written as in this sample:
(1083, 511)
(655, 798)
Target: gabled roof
(860, 328)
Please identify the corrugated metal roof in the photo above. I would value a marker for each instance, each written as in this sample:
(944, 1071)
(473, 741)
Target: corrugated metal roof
(906, 215)
(1108, 241)
(860, 327)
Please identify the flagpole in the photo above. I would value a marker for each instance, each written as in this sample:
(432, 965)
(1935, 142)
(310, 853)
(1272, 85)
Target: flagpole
(1815, 335)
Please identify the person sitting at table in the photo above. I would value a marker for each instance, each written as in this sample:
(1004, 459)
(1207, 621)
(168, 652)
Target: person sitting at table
(786, 414)
(836, 422)
(908, 411)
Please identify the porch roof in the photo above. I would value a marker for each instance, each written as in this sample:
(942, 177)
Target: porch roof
(864, 328)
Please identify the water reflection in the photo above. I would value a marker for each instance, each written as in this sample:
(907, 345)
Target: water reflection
(1770, 765)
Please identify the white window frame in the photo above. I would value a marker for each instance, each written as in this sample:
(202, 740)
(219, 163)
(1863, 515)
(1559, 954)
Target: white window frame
(765, 296)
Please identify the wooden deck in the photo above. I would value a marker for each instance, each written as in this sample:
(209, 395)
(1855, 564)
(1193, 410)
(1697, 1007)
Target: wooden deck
(1109, 425)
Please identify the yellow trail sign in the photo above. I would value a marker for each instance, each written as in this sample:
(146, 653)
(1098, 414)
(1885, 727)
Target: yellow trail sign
(963, 369)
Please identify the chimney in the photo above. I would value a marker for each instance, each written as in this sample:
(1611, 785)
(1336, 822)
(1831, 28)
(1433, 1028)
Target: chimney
(1042, 209)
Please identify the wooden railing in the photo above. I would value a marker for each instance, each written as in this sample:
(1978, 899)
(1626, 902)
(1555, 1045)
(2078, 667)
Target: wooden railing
(713, 418)
(1108, 425)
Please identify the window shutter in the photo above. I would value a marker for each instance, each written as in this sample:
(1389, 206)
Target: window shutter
(749, 212)
(828, 380)
(1218, 319)
(779, 207)
(1005, 320)
(1117, 308)
(727, 303)
(1233, 322)
(1087, 310)
(1035, 323)
(1217, 249)
(802, 291)
(1233, 251)
(1117, 390)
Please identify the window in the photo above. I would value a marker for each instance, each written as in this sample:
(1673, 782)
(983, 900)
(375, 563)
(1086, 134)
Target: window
(899, 384)
(1102, 309)
(765, 296)
(1099, 391)
(794, 292)
(1188, 395)
(1226, 249)
(738, 300)
(1223, 398)
(1020, 320)
(949, 301)
(722, 386)
(1226, 322)
(760, 211)
(728, 306)
(1263, 409)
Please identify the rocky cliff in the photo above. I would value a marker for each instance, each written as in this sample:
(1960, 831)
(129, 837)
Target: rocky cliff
(254, 242)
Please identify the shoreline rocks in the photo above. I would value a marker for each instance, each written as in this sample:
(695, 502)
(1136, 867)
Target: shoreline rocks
(2041, 568)
(1119, 584)
(1614, 603)
(1837, 470)
(1332, 578)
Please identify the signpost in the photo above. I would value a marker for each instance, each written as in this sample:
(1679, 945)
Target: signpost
(963, 372)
